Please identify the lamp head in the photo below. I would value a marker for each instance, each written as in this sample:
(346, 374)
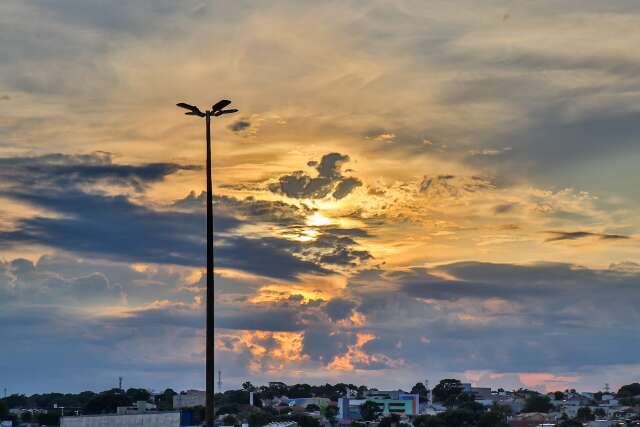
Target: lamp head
(221, 112)
(193, 110)
(220, 105)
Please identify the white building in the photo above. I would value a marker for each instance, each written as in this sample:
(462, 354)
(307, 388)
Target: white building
(189, 399)
(140, 407)
(157, 419)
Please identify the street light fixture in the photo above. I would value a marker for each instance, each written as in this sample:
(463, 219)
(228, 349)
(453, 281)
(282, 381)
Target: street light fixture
(217, 109)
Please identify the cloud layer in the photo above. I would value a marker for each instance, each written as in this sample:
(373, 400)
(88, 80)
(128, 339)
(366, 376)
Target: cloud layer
(433, 189)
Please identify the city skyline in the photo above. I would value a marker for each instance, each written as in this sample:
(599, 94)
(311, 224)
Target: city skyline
(410, 189)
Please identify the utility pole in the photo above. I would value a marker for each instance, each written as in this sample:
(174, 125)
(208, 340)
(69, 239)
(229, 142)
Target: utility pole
(217, 109)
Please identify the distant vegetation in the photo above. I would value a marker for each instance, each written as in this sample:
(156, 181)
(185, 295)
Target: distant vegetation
(234, 406)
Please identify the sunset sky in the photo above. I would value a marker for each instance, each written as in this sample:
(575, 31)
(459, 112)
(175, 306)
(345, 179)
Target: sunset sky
(411, 190)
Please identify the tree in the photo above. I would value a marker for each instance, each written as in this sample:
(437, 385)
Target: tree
(305, 420)
(229, 420)
(330, 413)
(584, 414)
(558, 395)
(629, 390)
(496, 416)
(165, 400)
(107, 402)
(448, 391)
(599, 412)
(228, 409)
(370, 410)
(459, 418)
(421, 390)
(392, 420)
(428, 421)
(259, 418)
(284, 409)
(4, 410)
(247, 386)
(537, 403)
(26, 417)
(198, 415)
(49, 418)
(137, 394)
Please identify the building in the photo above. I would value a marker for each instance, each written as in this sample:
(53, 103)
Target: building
(155, 419)
(532, 419)
(189, 399)
(397, 402)
(282, 424)
(140, 407)
(304, 401)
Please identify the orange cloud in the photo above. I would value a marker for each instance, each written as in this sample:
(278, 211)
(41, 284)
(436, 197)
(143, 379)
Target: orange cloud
(549, 381)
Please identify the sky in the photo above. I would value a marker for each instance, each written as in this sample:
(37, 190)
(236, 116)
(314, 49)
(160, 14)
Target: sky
(411, 190)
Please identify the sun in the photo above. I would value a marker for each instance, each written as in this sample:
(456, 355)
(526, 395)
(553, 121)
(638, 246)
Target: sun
(318, 220)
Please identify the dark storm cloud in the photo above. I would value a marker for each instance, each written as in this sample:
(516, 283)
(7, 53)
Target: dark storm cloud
(249, 208)
(329, 180)
(270, 257)
(333, 245)
(113, 227)
(339, 308)
(269, 319)
(576, 235)
(493, 316)
(58, 171)
(323, 345)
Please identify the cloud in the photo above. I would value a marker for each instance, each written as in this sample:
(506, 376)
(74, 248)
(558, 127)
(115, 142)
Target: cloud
(505, 208)
(451, 186)
(266, 319)
(23, 282)
(576, 235)
(116, 228)
(330, 180)
(249, 208)
(339, 308)
(240, 125)
(64, 170)
(489, 316)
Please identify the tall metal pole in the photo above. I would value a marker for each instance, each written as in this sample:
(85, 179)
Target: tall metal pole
(209, 415)
(217, 109)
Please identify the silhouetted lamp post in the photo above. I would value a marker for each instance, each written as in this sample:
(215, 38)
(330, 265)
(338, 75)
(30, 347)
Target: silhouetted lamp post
(218, 109)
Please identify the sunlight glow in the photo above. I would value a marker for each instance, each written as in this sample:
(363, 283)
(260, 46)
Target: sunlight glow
(318, 220)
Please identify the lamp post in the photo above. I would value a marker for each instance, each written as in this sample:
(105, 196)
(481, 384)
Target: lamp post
(218, 109)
